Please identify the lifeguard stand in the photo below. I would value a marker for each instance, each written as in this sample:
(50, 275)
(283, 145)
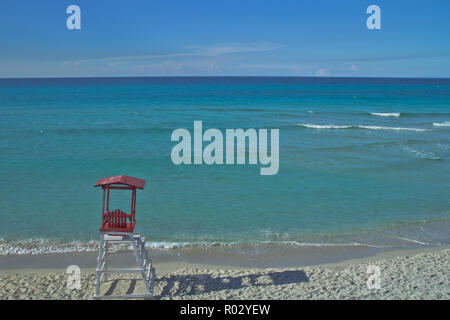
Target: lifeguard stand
(117, 227)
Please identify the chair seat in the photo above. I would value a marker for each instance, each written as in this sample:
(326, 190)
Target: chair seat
(129, 227)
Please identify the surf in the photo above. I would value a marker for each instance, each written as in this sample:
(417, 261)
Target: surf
(442, 124)
(387, 114)
(331, 126)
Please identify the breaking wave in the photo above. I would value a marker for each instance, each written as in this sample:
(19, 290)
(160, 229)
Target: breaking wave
(330, 126)
(442, 124)
(387, 114)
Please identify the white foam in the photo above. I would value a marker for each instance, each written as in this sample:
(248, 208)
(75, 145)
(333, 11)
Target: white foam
(325, 244)
(175, 245)
(422, 154)
(320, 126)
(411, 240)
(331, 126)
(391, 128)
(40, 246)
(442, 124)
(385, 114)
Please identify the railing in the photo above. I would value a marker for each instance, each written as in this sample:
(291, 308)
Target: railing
(116, 219)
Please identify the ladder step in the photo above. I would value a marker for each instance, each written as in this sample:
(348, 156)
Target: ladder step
(113, 238)
(121, 271)
(118, 241)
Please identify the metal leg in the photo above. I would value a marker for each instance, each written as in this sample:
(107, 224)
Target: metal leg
(99, 265)
(143, 262)
(139, 248)
(105, 260)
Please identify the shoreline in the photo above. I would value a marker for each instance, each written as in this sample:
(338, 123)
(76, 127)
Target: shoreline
(413, 234)
(170, 260)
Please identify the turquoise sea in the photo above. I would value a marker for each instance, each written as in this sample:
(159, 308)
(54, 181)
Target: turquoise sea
(362, 161)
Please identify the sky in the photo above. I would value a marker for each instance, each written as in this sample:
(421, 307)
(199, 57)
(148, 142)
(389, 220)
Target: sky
(224, 38)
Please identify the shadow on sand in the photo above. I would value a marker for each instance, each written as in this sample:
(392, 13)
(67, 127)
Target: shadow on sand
(185, 285)
(114, 284)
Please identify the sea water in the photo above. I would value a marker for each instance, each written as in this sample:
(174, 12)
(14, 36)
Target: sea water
(361, 161)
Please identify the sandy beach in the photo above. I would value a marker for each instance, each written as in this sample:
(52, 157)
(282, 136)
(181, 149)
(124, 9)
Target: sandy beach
(407, 274)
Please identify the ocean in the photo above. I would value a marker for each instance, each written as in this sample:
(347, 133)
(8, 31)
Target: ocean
(362, 161)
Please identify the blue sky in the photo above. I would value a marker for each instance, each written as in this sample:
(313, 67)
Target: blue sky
(224, 38)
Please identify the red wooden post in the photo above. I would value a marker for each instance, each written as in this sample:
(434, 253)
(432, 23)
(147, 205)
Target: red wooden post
(103, 206)
(107, 201)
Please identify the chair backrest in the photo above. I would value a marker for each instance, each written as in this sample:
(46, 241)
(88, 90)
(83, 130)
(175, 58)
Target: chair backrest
(117, 219)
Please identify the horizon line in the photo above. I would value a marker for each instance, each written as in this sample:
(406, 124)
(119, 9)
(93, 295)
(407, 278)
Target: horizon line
(221, 76)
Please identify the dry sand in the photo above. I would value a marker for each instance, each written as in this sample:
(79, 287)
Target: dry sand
(412, 275)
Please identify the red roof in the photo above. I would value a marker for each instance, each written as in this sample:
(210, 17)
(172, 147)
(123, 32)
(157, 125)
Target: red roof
(124, 180)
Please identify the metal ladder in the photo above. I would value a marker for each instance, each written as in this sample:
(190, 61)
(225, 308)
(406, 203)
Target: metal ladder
(144, 264)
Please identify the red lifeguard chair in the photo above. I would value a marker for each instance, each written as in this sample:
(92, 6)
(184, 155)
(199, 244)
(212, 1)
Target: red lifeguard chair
(118, 227)
(117, 220)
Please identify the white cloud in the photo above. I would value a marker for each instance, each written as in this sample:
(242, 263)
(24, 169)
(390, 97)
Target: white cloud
(218, 50)
(323, 72)
(191, 51)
